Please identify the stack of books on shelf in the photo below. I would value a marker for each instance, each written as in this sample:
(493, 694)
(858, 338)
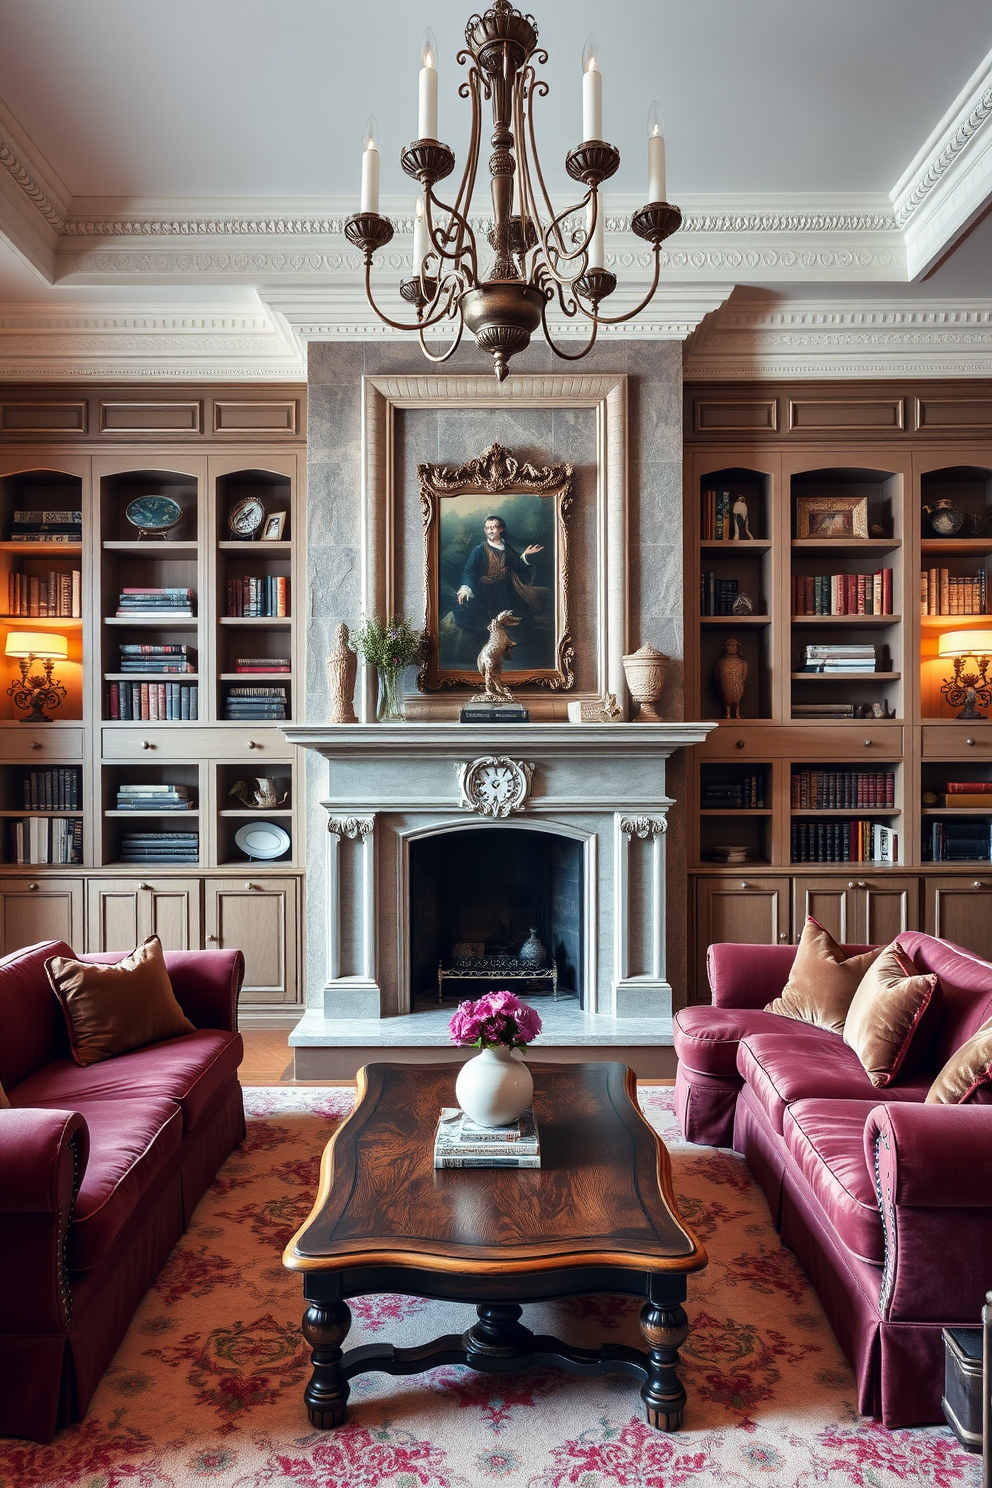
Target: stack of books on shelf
(160, 847)
(842, 594)
(256, 597)
(47, 839)
(463, 1143)
(52, 790)
(53, 594)
(174, 658)
(153, 604)
(152, 702)
(250, 664)
(840, 790)
(844, 842)
(961, 841)
(745, 793)
(46, 527)
(835, 658)
(943, 593)
(716, 519)
(255, 703)
(734, 854)
(961, 794)
(145, 797)
(717, 595)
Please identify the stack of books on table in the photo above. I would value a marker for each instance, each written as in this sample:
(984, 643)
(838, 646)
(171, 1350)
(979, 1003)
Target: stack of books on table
(174, 658)
(964, 793)
(47, 839)
(146, 797)
(250, 664)
(834, 658)
(160, 847)
(149, 604)
(463, 1143)
(46, 527)
(255, 704)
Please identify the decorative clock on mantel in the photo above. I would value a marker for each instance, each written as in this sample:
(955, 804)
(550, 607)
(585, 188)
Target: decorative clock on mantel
(494, 785)
(245, 519)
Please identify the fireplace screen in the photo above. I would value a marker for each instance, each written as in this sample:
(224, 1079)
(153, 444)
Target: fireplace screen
(495, 907)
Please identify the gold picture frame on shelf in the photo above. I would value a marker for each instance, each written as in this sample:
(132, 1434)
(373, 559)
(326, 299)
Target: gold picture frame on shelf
(832, 517)
(272, 531)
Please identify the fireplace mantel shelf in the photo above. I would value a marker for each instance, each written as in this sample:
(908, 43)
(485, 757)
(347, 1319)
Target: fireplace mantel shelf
(456, 740)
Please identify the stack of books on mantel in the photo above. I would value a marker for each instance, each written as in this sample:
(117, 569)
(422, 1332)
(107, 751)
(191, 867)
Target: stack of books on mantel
(463, 1143)
(158, 604)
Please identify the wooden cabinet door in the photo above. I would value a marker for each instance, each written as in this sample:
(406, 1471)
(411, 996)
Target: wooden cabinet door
(125, 911)
(886, 907)
(831, 901)
(259, 917)
(960, 910)
(34, 909)
(752, 911)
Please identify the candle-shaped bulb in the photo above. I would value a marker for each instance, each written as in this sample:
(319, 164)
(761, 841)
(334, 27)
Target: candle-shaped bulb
(420, 244)
(370, 166)
(592, 90)
(371, 139)
(427, 114)
(656, 154)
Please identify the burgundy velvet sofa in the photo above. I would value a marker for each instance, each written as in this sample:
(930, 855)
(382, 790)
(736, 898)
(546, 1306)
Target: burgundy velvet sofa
(101, 1168)
(886, 1201)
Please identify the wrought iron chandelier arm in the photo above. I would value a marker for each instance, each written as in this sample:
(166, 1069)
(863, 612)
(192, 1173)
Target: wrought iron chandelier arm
(598, 319)
(401, 325)
(443, 357)
(567, 356)
(532, 86)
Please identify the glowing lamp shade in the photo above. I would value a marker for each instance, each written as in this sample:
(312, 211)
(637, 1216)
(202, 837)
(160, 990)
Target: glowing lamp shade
(36, 643)
(965, 643)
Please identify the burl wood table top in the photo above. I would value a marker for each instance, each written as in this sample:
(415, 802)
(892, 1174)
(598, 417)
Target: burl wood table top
(603, 1196)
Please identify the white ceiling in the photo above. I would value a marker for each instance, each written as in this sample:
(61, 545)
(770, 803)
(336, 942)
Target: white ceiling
(789, 125)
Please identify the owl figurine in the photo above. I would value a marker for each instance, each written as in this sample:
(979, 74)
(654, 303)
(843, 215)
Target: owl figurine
(730, 673)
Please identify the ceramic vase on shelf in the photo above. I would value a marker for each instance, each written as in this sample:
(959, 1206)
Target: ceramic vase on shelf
(494, 1087)
(390, 707)
(645, 671)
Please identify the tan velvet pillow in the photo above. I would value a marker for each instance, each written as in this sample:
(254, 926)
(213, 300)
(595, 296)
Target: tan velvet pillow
(893, 1016)
(967, 1072)
(822, 981)
(110, 1009)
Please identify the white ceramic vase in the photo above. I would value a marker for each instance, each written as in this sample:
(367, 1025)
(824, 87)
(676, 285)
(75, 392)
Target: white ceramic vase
(494, 1088)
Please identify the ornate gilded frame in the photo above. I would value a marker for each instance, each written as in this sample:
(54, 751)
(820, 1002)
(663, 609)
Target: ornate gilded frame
(496, 471)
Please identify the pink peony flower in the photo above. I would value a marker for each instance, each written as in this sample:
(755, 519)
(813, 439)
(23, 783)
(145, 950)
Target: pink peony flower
(496, 1018)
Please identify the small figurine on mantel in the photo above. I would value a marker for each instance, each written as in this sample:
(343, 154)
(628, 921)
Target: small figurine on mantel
(342, 669)
(497, 704)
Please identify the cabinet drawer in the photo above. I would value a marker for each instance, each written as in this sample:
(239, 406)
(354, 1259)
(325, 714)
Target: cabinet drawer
(957, 740)
(819, 741)
(40, 744)
(194, 743)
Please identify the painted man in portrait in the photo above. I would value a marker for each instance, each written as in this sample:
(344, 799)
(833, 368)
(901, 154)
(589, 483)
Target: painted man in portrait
(496, 577)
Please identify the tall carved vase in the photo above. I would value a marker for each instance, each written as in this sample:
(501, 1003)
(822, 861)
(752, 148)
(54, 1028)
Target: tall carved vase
(645, 670)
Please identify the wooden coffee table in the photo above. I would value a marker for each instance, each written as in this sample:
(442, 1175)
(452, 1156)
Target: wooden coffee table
(599, 1216)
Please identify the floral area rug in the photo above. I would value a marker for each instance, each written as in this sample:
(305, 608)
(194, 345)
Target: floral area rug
(206, 1388)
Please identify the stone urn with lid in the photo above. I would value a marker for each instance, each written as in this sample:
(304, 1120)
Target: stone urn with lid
(645, 670)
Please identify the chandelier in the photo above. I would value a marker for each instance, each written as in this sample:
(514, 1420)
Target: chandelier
(541, 258)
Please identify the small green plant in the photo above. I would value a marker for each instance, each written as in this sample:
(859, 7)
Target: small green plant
(389, 644)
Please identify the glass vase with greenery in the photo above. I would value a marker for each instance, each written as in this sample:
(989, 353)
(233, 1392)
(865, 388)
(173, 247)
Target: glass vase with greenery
(390, 646)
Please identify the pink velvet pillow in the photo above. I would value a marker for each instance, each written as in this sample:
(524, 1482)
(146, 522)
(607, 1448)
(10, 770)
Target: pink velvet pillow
(967, 1076)
(893, 1016)
(822, 981)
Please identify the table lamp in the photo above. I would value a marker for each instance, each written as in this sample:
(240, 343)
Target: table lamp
(36, 692)
(967, 688)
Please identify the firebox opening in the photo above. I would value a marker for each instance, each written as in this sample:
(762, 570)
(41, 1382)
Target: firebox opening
(502, 904)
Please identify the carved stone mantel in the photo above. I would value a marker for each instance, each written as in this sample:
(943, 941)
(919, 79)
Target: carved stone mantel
(388, 786)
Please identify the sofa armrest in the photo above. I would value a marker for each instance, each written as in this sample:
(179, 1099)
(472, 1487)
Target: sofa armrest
(43, 1155)
(206, 983)
(933, 1177)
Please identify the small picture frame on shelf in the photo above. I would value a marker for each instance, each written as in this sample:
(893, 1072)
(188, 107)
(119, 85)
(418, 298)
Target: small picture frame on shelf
(832, 517)
(275, 522)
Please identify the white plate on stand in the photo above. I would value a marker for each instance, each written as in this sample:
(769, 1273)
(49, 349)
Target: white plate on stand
(262, 840)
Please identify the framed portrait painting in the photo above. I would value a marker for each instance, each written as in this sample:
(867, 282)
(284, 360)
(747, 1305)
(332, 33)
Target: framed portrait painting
(496, 540)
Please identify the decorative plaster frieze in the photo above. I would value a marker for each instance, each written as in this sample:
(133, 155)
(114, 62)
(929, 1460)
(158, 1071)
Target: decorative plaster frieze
(30, 173)
(643, 826)
(355, 827)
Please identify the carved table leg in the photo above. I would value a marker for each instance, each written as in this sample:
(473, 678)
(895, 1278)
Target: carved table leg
(665, 1329)
(325, 1327)
(498, 1333)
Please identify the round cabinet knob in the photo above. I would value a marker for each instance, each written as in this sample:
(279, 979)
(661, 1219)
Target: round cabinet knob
(212, 937)
(969, 741)
(783, 937)
(978, 884)
(147, 744)
(745, 884)
(741, 743)
(851, 884)
(253, 745)
(146, 887)
(33, 887)
(867, 743)
(35, 744)
(251, 886)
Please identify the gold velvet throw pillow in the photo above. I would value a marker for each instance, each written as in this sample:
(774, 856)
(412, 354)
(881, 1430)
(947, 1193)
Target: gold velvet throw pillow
(893, 1016)
(822, 981)
(968, 1071)
(111, 1009)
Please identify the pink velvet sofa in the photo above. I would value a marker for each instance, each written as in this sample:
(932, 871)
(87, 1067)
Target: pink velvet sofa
(100, 1170)
(886, 1201)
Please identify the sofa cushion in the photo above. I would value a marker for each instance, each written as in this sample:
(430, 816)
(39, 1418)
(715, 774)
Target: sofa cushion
(188, 1071)
(966, 1078)
(823, 980)
(893, 1017)
(111, 1009)
(32, 1030)
(706, 1038)
(826, 1141)
(966, 984)
(779, 1070)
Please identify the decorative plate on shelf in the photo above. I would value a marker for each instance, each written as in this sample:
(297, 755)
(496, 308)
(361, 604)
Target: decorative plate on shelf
(245, 519)
(262, 840)
(154, 516)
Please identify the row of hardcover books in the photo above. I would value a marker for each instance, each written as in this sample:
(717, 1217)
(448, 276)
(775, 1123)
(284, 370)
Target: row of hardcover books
(961, 841)
(717, 596)
(716, 522)
(55, 594)
(46, 526)
(462, 1143)
(151, 702)
(47, 839)
(745, 793)
(842, 594)
(257, 597)
(53, 790)
(943, 593)
(844, 842)
(839, 790)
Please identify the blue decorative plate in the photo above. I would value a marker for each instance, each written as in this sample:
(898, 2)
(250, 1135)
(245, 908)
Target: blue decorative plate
(153, 515)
